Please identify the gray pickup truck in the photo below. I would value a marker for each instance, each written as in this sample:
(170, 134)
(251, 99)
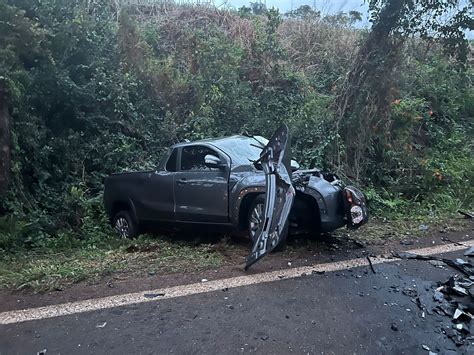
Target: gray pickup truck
(225, 181)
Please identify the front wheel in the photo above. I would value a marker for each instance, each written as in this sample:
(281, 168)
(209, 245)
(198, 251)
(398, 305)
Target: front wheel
(124, 225)
(255, 220)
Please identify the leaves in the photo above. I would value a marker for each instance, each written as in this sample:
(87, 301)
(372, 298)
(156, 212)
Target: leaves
(96, 90)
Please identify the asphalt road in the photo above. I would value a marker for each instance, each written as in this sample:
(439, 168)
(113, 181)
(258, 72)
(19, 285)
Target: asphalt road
(350, 311)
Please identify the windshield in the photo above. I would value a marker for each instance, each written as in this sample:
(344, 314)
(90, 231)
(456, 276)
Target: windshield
(243, 150)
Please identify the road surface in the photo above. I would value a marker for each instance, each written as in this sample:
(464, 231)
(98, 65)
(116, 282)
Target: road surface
(350, 310)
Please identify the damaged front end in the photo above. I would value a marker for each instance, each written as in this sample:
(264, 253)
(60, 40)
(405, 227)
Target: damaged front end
(355, 206)
(275, 162)
(337, 205)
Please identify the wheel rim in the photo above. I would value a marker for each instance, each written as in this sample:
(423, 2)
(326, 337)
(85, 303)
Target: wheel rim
(122, 228)
(256, 219)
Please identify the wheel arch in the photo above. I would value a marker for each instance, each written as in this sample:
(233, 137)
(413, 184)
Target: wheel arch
(244, 202)
(307, 210)
(122, 205)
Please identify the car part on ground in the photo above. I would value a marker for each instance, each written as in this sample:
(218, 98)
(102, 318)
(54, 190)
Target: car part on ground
(452, 298)
(279, 195)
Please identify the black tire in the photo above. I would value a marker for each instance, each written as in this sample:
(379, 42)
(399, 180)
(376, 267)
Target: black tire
(260, 200)
(125, 226)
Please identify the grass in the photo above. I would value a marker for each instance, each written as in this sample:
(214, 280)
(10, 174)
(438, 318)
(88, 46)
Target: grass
(378, 230)
(42, 271)
(57, 268)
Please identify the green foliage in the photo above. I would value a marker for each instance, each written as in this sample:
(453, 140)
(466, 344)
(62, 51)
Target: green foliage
(95, 91)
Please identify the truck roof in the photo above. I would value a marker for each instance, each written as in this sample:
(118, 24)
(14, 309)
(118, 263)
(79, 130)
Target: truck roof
(214, 141)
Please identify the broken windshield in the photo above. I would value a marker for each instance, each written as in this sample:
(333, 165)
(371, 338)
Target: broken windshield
(243, 150)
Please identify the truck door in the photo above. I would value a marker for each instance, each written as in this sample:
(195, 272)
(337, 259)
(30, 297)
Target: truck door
(200, 189)
(158, 200)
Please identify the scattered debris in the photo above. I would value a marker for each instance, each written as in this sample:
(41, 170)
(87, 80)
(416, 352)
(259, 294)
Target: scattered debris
(42, 352)
(425, 347)
(462, 328)
(437, 263)
(469, 215)
(153, 295)
(394, 327)
(357, 243)
(410, 292)
(453, 298)
(423, 227)
(458, 264)
(204, 280)
(460, 290)
(438, 296)
(371, 266)
(469, 252)
(101, 325)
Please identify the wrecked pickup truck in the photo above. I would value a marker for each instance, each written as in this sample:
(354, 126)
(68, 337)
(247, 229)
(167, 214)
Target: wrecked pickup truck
(245, 182)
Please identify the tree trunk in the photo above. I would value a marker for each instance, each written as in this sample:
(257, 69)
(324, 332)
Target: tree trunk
(5, 170)
(354, 112)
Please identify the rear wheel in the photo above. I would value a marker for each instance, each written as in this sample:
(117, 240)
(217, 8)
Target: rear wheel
(255, 220)
(124, 225)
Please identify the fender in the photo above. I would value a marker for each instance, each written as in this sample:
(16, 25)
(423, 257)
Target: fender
(241, 197)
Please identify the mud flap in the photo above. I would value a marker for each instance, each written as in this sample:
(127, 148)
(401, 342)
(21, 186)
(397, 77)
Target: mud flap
(279, 195)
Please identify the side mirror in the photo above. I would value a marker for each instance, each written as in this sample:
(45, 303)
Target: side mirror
(212, 161)
(294, 165)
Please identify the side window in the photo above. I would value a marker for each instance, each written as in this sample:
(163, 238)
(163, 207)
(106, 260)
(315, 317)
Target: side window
(171, 164)
(192, 157)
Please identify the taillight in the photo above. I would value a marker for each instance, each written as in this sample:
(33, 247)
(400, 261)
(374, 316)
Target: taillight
(348, 196)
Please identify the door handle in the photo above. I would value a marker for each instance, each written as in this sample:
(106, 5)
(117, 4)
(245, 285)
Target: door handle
(181, 181)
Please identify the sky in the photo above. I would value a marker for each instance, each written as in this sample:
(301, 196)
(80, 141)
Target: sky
(325, 6)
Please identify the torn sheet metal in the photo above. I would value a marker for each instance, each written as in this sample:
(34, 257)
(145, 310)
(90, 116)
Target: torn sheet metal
(459, 264)
(279, 195)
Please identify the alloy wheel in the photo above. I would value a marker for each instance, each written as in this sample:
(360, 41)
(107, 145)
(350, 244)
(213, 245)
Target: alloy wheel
(122, 227)
(256, 219)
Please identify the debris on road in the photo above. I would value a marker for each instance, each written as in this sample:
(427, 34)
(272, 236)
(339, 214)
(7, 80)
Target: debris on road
(371, 266)
(459, 264)
(394, 327)
(101, 325)
(469, 252)
(153, 295)
(204, 280)
(453, 298)
(42, 352)
(437, 263)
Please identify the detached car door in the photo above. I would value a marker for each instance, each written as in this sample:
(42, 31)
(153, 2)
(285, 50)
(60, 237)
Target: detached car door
(201, 192)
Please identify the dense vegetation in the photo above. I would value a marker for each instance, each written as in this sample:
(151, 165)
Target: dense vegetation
(93, 89)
